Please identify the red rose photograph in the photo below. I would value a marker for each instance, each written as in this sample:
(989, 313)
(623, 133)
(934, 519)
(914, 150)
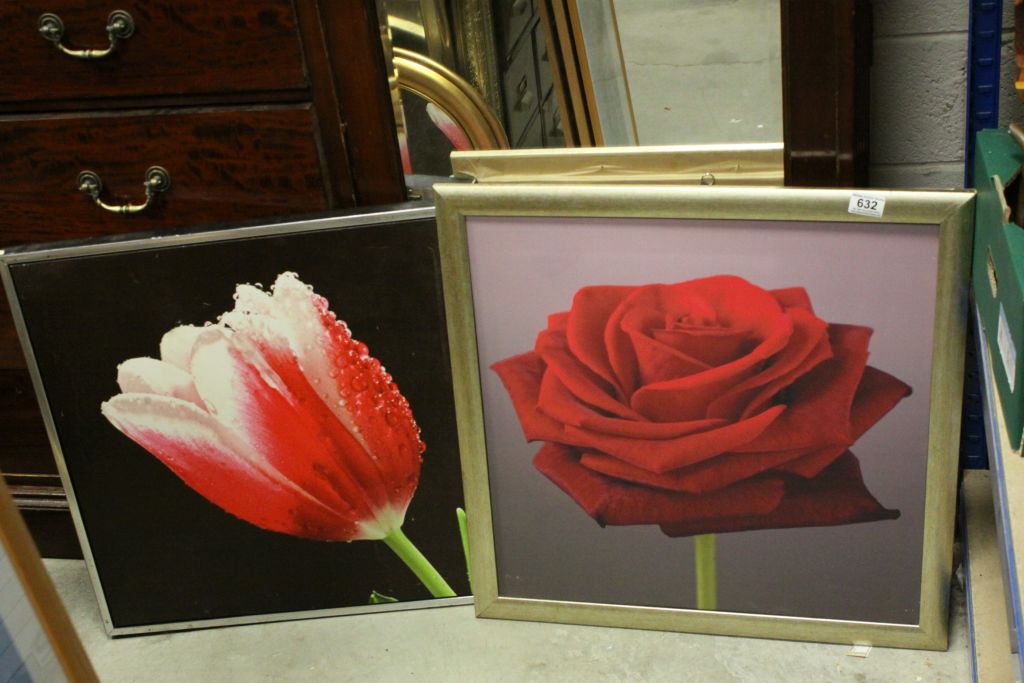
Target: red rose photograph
(727, 415)
(704, 406)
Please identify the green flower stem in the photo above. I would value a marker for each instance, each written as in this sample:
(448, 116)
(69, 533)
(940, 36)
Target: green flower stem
(707, 578)
(464, 535)
(420, 566)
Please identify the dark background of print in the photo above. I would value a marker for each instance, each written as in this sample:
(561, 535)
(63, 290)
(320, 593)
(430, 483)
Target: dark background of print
(878, 275)
(163, 553)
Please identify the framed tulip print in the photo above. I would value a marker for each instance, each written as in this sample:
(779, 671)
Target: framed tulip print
(251, 424)
(719, 410)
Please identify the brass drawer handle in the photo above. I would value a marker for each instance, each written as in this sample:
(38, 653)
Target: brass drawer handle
(157, 180)
(120, 26)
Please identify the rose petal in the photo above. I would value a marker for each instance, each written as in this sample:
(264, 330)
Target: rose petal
(820, 402)
(522, 376)
(723, 301)
(151, 376)
(591, 308)
(710, 475)
(560, 405)
(615, 503)
(877, 394)
(807, 347)
(189, 442)
(793, 297)
(669, 454)
(712, 346)
(688, 398)
(552, 346)
(836, 496)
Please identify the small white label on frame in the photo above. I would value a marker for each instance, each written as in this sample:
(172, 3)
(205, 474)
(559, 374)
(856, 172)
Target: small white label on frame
(1007, 349)
(867, 204)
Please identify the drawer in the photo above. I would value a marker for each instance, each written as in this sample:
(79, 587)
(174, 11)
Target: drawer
(520, 86)
(554, 132)
(25, 448)
(178, 47)
(545, 76)
(224, 165)
(533, 136)
(512, 19)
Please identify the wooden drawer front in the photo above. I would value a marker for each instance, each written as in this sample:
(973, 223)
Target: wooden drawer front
(224, 165)
(179, 47)
(25, 447)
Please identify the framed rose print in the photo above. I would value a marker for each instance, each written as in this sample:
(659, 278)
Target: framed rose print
(720, 410)
(251, 424)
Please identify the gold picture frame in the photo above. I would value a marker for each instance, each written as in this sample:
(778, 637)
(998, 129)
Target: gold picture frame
(719, 164)
(509, 251)
(458, 99)
(37, 637)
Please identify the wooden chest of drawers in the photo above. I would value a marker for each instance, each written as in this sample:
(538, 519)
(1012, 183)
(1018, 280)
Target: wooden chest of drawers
(250, 108)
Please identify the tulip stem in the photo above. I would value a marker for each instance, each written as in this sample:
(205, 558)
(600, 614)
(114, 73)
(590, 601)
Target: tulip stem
(707, 578)
(420, 566)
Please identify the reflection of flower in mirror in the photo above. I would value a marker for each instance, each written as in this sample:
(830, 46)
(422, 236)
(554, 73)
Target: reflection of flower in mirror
(705, 406)
(279, 417)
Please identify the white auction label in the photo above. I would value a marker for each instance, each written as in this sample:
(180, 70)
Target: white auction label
(867, 204)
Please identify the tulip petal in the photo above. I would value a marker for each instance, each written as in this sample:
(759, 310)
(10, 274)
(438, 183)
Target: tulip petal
(286, 427)
(353, 385)
(836, 496)
(151, 376)
(297, 335)
(612, 502)
(176, 345)
(190, 442)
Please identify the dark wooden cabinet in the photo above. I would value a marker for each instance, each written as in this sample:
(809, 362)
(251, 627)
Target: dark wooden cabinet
(826, 64)
(255, 108)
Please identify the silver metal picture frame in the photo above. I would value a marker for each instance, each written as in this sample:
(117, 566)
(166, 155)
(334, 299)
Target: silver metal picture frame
(237, 452)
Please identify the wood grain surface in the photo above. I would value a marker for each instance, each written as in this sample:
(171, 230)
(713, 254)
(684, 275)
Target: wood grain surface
(178, 48)
(225, 165)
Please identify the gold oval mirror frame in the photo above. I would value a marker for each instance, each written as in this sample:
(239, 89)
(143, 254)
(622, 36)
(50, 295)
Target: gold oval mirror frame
(454, 95)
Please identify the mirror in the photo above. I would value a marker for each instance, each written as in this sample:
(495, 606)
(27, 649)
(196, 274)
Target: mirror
(682, 71)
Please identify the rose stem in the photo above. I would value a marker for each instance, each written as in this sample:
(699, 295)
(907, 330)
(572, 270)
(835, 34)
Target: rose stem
(707, 579)
(420, 566)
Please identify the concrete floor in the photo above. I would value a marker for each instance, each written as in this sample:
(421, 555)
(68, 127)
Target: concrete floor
(703, 71)
(449, 644)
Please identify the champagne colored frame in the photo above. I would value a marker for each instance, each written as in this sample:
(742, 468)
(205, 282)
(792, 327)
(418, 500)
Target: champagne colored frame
(47, 609)
(950, 214)
(726, 164)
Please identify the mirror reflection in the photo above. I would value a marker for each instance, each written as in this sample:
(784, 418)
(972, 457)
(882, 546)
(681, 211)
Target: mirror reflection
(605, 72)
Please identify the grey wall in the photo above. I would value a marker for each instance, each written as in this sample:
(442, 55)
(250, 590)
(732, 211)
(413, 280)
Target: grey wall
(918, 86)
